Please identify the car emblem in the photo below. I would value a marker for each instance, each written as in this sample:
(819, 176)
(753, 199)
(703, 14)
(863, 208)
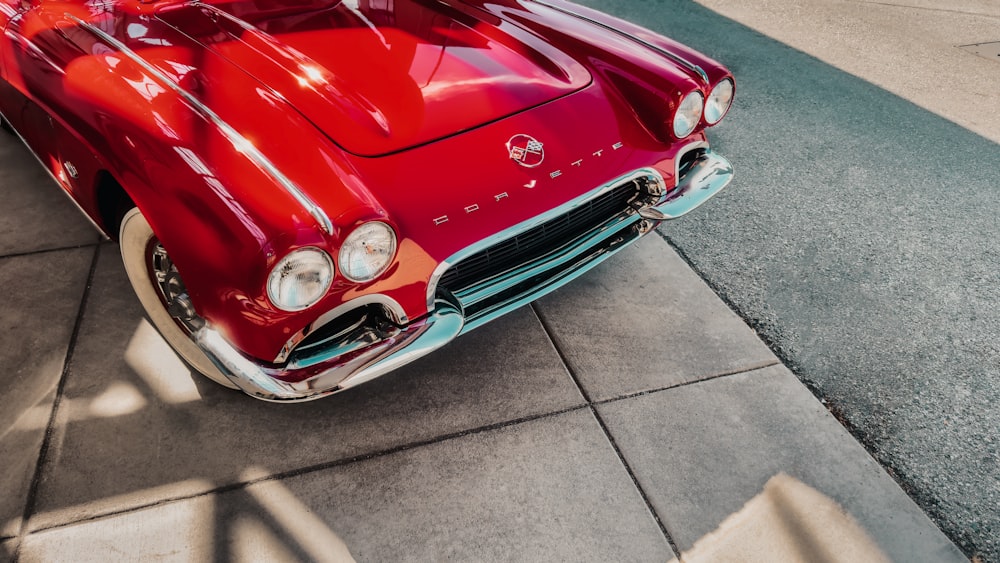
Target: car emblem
(525, 150)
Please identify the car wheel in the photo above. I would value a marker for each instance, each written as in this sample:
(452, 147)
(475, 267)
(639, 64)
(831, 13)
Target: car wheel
(161, 291)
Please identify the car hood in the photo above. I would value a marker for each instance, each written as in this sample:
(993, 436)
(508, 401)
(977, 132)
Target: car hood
(381, 77)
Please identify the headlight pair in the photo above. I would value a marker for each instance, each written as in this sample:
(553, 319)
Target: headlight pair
(303, 277)
(694, 106)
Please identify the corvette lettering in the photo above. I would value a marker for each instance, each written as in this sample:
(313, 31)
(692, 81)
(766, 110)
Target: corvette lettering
(579, 163)
(528, 152)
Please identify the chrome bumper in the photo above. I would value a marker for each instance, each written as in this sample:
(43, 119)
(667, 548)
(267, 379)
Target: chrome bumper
(338, 373)
(708, 174)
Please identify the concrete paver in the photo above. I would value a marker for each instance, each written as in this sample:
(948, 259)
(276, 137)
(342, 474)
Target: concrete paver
(544, 490)
(37, 216)
(171, 532)
(41, 301)
(7, 549)
(646, 321)
(128, 397)
(702, 451)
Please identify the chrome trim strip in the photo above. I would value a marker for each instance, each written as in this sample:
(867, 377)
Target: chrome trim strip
(388, 303)
(510, 279)
(412, 342)
(649, 173)
(672, 56)
(240, 143)
(35, 51)
(66, 193)
(586, 259)
(435, 279)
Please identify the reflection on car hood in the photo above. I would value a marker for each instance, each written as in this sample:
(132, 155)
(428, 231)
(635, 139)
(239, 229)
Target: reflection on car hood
(379, 77)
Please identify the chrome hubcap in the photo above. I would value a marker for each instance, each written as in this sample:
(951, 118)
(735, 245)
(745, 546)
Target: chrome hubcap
(172, 291)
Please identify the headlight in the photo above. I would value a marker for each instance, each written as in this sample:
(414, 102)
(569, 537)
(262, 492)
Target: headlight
(688, 114)
(719, 101)
(367, 251)
(300, 279)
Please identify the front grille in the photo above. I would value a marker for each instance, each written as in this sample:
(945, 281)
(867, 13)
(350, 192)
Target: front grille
(542, 239)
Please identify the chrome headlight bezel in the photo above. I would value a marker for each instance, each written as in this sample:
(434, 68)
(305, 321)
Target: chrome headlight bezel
(688, 114)
(367, 252)
(719, 101)
(300, 279)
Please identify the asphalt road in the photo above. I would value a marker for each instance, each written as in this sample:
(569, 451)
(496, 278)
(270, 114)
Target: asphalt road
(861, 239)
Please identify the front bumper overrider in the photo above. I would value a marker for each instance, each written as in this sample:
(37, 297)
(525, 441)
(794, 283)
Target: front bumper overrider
(333, 370)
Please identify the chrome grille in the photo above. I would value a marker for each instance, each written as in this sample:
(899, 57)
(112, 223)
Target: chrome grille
(542, 239)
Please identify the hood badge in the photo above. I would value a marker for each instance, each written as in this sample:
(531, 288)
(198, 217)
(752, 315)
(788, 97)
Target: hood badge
(525, 150)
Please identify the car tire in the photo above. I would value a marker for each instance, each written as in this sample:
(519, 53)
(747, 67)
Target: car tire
(138, 243)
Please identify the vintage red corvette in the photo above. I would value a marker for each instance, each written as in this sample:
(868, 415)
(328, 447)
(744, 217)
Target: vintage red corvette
(311, 193)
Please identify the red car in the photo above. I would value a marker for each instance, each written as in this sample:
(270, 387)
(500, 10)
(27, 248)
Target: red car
(311, 193)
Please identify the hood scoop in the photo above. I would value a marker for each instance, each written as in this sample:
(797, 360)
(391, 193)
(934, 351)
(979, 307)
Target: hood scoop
(379, 77)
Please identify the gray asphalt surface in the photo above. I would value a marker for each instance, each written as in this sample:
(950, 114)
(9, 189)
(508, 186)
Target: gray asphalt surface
(861, 239)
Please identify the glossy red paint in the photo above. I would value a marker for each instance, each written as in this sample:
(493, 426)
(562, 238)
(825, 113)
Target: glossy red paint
(411, 75)
(390, 110)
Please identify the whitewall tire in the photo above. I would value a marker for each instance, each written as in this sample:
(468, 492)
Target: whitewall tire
(144, 260)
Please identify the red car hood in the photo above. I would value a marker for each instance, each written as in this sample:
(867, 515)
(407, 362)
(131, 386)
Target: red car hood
(379, 77)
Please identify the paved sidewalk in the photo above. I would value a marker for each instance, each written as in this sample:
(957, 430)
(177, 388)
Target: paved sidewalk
(924, 51)
(629, 416)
